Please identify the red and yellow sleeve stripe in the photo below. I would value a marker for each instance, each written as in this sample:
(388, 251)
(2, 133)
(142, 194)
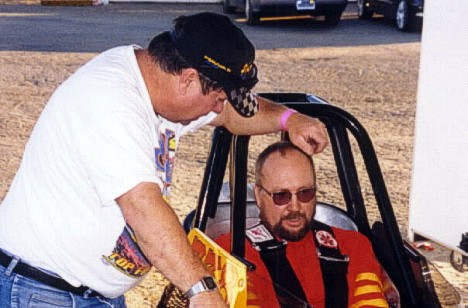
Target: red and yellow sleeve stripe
(368, 291)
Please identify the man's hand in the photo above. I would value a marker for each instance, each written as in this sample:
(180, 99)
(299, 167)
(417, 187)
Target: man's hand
(307, 133)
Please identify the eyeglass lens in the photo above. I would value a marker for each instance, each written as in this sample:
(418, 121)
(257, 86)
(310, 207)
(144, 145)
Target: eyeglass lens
(284, 197)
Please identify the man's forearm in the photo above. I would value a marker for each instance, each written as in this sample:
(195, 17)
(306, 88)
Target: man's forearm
(160, 235)
(306, 132)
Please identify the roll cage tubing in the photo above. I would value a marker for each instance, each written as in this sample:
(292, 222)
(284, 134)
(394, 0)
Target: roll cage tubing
(338, 122)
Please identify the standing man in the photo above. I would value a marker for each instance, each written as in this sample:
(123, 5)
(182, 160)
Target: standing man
(300, 262)
(87, 215)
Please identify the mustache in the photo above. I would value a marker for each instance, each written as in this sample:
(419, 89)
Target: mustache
(294, 215)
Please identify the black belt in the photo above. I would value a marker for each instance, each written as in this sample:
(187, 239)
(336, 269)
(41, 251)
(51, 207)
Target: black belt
(28, 271)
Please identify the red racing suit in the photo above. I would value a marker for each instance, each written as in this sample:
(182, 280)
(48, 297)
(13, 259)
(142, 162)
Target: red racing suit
(364, 272)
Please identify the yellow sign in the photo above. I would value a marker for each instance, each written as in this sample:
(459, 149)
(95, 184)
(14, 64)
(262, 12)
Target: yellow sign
(230, 273)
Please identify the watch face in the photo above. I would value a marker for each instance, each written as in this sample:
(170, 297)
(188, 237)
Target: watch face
(210, 283)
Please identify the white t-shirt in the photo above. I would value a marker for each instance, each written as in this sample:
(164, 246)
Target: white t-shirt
(97, 138)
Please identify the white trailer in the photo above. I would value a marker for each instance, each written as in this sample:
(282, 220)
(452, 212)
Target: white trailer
(439, 192)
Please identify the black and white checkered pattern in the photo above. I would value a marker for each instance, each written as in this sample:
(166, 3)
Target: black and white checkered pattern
(244, 101)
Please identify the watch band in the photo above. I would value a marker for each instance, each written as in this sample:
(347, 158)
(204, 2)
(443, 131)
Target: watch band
(206, 284)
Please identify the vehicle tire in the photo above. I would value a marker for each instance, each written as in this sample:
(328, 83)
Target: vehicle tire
(333, 18)
(227, 8)
(252, 18)
(362, 11)
(403, 17)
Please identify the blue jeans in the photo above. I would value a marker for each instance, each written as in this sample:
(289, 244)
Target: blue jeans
(19, 292)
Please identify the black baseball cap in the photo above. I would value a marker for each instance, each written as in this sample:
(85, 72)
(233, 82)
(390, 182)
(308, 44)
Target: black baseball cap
(219, 50)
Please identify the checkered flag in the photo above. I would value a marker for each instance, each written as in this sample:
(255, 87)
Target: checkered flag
(244, 101)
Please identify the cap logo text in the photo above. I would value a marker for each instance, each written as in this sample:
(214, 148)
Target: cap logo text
(216, 64)
(246, 68)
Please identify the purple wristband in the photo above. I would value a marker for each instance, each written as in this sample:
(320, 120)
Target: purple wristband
(284, 117)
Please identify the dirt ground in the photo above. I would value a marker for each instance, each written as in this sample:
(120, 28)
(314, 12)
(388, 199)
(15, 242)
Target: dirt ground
(377, 84)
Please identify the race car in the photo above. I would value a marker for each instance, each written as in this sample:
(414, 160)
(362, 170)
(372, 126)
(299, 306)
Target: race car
(230, 207)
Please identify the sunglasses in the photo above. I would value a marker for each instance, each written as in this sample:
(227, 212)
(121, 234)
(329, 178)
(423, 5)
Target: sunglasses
(284, 197)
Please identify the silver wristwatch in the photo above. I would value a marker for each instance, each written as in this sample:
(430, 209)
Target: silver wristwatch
(206, 284)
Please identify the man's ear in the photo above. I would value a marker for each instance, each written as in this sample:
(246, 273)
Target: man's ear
(187, 79)
(257, 195)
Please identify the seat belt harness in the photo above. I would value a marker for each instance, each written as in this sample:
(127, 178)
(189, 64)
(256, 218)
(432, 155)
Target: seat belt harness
(287, 287)
(334, 266)
(289, 291)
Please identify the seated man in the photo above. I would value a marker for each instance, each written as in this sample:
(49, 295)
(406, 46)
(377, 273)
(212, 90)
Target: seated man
(310, 263)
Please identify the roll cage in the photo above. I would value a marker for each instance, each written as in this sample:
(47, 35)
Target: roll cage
(406, 267)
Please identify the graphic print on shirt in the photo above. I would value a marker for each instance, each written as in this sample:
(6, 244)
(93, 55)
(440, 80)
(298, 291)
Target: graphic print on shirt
(165, 155)
(127, 256)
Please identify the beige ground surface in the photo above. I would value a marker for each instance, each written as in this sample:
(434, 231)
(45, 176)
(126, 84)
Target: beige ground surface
(377, 84)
